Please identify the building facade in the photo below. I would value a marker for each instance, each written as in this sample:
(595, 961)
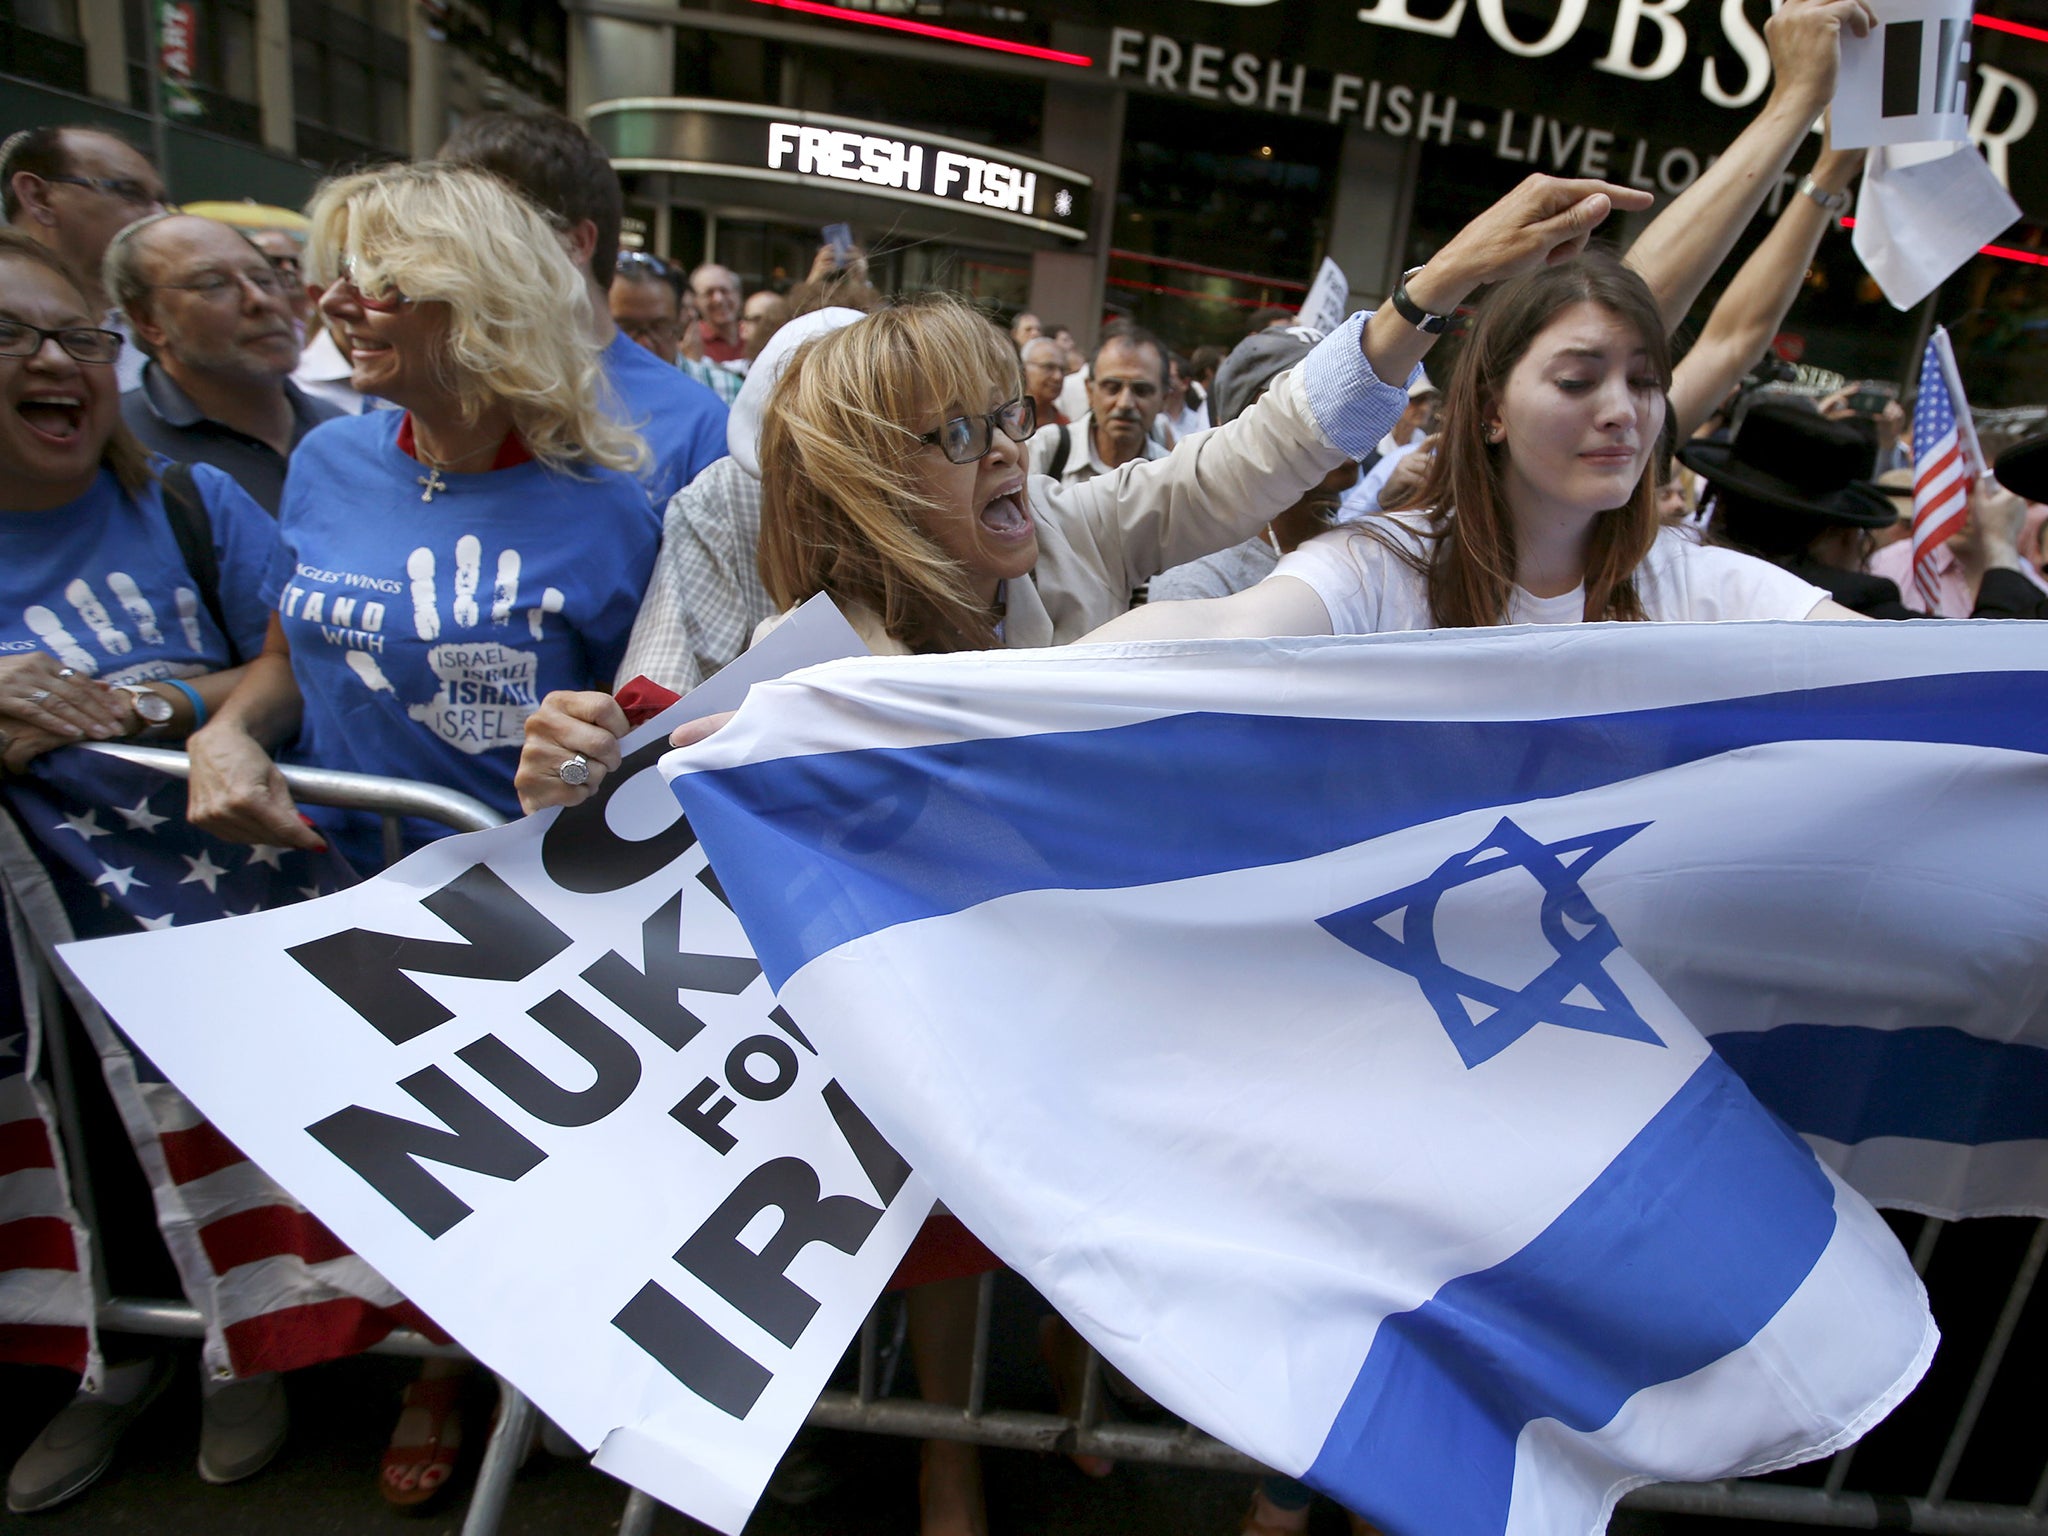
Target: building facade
(1221, 150)
(1184, 162)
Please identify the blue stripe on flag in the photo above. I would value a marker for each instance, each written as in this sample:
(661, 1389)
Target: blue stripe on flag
(841, 844)
(1849, 1084)
(1678, 1254)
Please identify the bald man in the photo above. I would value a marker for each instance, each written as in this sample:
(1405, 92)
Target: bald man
(217, 315)
(1045, 370)
(717, 292)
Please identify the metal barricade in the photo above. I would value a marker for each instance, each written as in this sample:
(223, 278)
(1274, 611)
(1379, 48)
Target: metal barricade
(393, 800)
(871, 1408)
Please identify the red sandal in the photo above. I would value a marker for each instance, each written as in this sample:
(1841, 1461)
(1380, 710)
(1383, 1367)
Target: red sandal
(413, 1472)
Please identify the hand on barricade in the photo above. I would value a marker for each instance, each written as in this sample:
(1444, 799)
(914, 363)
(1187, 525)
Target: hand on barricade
(21, 745)
(38, 693)
(568, 726)
(238, 794)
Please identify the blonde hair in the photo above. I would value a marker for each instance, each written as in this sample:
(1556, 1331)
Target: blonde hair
(840, 509)
(519, 312)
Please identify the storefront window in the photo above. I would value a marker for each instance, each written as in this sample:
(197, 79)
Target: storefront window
(1219, 214)
(40, 40)
(52, 18)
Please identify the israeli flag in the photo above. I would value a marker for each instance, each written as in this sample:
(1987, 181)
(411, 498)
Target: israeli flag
(1308, 1020)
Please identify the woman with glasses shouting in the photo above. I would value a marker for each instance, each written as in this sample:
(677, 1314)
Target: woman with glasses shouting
(130, 602)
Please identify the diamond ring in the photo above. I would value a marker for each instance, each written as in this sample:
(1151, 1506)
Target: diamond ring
(39, 695)
(576, 770)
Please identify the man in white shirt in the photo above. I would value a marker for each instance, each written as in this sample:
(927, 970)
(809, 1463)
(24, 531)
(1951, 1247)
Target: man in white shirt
(1126, 387)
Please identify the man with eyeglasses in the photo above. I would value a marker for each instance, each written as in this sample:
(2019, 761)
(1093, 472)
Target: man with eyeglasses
(217, 315)
(651, 304)
(73, 189)
(1126, 387)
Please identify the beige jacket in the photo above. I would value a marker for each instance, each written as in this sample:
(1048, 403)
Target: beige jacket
(1103, 537)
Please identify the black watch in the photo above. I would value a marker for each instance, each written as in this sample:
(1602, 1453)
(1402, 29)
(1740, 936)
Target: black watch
(1423, 320)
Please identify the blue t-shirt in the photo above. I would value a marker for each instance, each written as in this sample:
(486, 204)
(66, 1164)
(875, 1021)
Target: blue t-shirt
(683, 422)
(98, 582)
(424, 633)
(99, 585)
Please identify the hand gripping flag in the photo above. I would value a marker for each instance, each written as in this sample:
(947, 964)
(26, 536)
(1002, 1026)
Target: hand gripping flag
(1307, 1019)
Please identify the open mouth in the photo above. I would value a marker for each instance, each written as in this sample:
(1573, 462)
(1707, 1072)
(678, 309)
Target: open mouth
(1007, 518)
(54, 418)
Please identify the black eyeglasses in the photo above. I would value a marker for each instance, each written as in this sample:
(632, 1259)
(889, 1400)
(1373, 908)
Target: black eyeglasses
(964, 439)
(85, 343)
(126, 188)
(659, 330)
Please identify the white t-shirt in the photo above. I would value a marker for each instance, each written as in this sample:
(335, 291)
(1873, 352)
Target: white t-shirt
(1370, 590)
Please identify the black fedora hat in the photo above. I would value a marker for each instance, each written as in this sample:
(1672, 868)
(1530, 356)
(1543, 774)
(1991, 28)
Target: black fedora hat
(1787, 455)
(2023, 469)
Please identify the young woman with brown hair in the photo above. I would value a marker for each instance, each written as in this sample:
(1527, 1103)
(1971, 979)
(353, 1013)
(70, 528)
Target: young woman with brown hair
(1542, 503)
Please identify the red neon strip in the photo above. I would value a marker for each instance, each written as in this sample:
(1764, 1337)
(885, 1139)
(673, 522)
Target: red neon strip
(2038, 34)
(2002, 252)
(1195, 266)
(1188, 293)
(926, 29)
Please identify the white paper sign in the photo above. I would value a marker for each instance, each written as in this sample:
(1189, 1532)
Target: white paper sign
(1907, 80)
(536, 1078)
(1329, 299)
(1922, 211)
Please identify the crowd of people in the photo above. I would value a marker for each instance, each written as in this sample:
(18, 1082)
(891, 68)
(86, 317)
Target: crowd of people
(413, 492)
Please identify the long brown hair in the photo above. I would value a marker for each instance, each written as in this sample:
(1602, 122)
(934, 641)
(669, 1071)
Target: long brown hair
(123, 453)
(840, 508)
(1468, 555)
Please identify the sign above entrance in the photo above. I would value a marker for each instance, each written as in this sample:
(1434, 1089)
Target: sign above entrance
(867, 159)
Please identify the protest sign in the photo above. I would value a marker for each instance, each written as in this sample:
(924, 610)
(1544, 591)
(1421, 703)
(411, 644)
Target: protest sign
(535, 1076)
(1922, 211)
(1906, 81)
(1329, 298)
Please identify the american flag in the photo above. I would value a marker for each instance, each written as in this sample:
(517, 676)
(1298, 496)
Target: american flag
(277, 1289)
(45, 1298)
(1941, 468)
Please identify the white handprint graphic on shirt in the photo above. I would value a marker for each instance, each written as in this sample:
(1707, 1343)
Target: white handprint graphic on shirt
(105, 639)
(487, 687)
(137, 607)
(81, 596)
(48, 628)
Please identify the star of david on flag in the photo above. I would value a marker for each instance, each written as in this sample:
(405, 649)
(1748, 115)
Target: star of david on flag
(1483, 1018)
(1317, 1024)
